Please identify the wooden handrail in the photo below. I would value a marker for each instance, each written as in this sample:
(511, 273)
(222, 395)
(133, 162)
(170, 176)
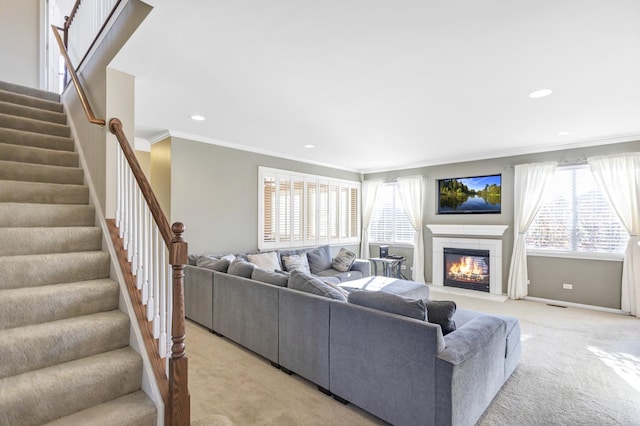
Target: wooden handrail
(76, 82)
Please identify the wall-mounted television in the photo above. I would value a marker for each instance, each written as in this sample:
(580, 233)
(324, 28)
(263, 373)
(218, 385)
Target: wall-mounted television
(470, 195)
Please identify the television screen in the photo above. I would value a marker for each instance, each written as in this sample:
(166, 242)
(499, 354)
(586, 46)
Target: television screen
(478, 194)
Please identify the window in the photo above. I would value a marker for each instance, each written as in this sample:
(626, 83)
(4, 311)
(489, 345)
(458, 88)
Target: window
(389, 222)
(298, 210)
(576, 218)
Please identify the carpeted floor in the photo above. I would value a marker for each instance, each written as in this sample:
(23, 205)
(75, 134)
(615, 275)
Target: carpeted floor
(578, 367)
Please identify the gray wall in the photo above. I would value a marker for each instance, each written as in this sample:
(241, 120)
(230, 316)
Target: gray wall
(546, 274)
(92, 138)
(20, 42)
(214, 192)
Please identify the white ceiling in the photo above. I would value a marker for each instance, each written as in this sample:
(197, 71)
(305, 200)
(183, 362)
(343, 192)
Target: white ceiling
(381, 84)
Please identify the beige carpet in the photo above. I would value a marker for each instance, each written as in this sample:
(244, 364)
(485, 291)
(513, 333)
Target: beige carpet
(578, 367)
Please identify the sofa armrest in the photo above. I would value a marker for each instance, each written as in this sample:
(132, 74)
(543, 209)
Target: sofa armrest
(362, 265)
(198, 295)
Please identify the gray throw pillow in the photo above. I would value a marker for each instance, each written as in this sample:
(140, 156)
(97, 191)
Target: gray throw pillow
(343, 260)
(304, 282)
(319, 259)
(276, 278)
(296, 262)
(441, 312)
(241, 268)
(218, 263)
(388, 302)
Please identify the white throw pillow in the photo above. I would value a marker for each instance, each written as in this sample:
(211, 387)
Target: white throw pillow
(267, 261)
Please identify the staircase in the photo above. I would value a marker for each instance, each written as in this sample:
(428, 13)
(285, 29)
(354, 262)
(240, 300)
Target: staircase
(65, 355)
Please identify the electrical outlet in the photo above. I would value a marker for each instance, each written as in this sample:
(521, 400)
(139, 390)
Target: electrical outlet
(404, 267)
(528, 282)
(567, 286)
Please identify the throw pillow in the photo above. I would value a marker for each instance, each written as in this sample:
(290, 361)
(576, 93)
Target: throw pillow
(304, 282)
(296, 262)
(319, 259)
(389, 302)
(343, 260)
(336, 287)
(441, 312)
(267, 261)
(241, 268)
(275, 278)
(216, 262)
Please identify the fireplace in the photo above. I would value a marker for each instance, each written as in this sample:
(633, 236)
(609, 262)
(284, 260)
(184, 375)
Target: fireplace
(483, 237)
(466, 268)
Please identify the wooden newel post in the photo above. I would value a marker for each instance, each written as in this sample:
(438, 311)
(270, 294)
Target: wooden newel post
(179, 400)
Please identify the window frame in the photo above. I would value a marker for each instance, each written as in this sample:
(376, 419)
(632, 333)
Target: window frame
(396, 199)
(573, 254)
(328, 207)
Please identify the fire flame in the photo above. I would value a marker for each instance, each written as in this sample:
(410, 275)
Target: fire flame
(469, 268)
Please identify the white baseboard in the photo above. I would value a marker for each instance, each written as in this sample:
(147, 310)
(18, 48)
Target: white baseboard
(576, 305)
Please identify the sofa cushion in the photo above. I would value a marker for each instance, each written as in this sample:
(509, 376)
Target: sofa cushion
(343, 260)
(241, 268)
(304, 282)
(276, 278)
(341, 276)
(441, 312)
(267, 260)
(319, 259)
(387, 302)
(296, 262)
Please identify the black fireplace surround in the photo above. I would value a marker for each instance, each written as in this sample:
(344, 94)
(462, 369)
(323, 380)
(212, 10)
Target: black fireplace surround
(466, 268)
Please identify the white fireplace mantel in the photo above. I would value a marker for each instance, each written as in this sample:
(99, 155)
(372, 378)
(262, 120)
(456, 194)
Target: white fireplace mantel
(479, 230)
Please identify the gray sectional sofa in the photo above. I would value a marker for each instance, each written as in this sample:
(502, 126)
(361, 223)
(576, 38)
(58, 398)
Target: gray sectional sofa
(402, 370)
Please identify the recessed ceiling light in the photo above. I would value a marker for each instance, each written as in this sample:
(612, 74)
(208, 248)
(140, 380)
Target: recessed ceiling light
(198, 117)
(540, 93)
(565, 133)
(309, 146)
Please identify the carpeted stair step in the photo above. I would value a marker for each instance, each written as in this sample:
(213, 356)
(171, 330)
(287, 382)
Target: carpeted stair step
(35, 305)
(134, 409)
(13, 215)
(45, 269)
(38, 140)
(22, 241)
(30, 101)
(26, 172)
(31, 112)
(39, 346)
(43, 193)
(44, 395)
(36, 126)
(29, 91)
(32, 155)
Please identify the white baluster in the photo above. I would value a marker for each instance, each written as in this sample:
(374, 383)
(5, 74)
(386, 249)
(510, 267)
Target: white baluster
(134, 233)
(121, 194)
(118, 183)
(147, 236)
(140, 273)
(152, 271)
(162, 343)
(127, 213)
(158, 282)
(130, 219)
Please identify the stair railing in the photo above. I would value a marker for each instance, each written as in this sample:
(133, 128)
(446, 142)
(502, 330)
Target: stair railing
(83, 26)
(151, 255)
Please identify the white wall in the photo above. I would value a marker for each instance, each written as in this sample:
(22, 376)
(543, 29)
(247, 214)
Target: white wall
(20, 42)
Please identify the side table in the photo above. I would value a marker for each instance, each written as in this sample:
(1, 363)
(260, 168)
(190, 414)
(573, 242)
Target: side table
(391, 267)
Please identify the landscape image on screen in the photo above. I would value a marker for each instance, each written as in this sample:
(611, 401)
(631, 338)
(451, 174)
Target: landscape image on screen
(479, 194)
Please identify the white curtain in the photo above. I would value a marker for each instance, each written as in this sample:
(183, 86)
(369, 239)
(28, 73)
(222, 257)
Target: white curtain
(411, 190)
(369, 193)
(618, 176)
(530, 183)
